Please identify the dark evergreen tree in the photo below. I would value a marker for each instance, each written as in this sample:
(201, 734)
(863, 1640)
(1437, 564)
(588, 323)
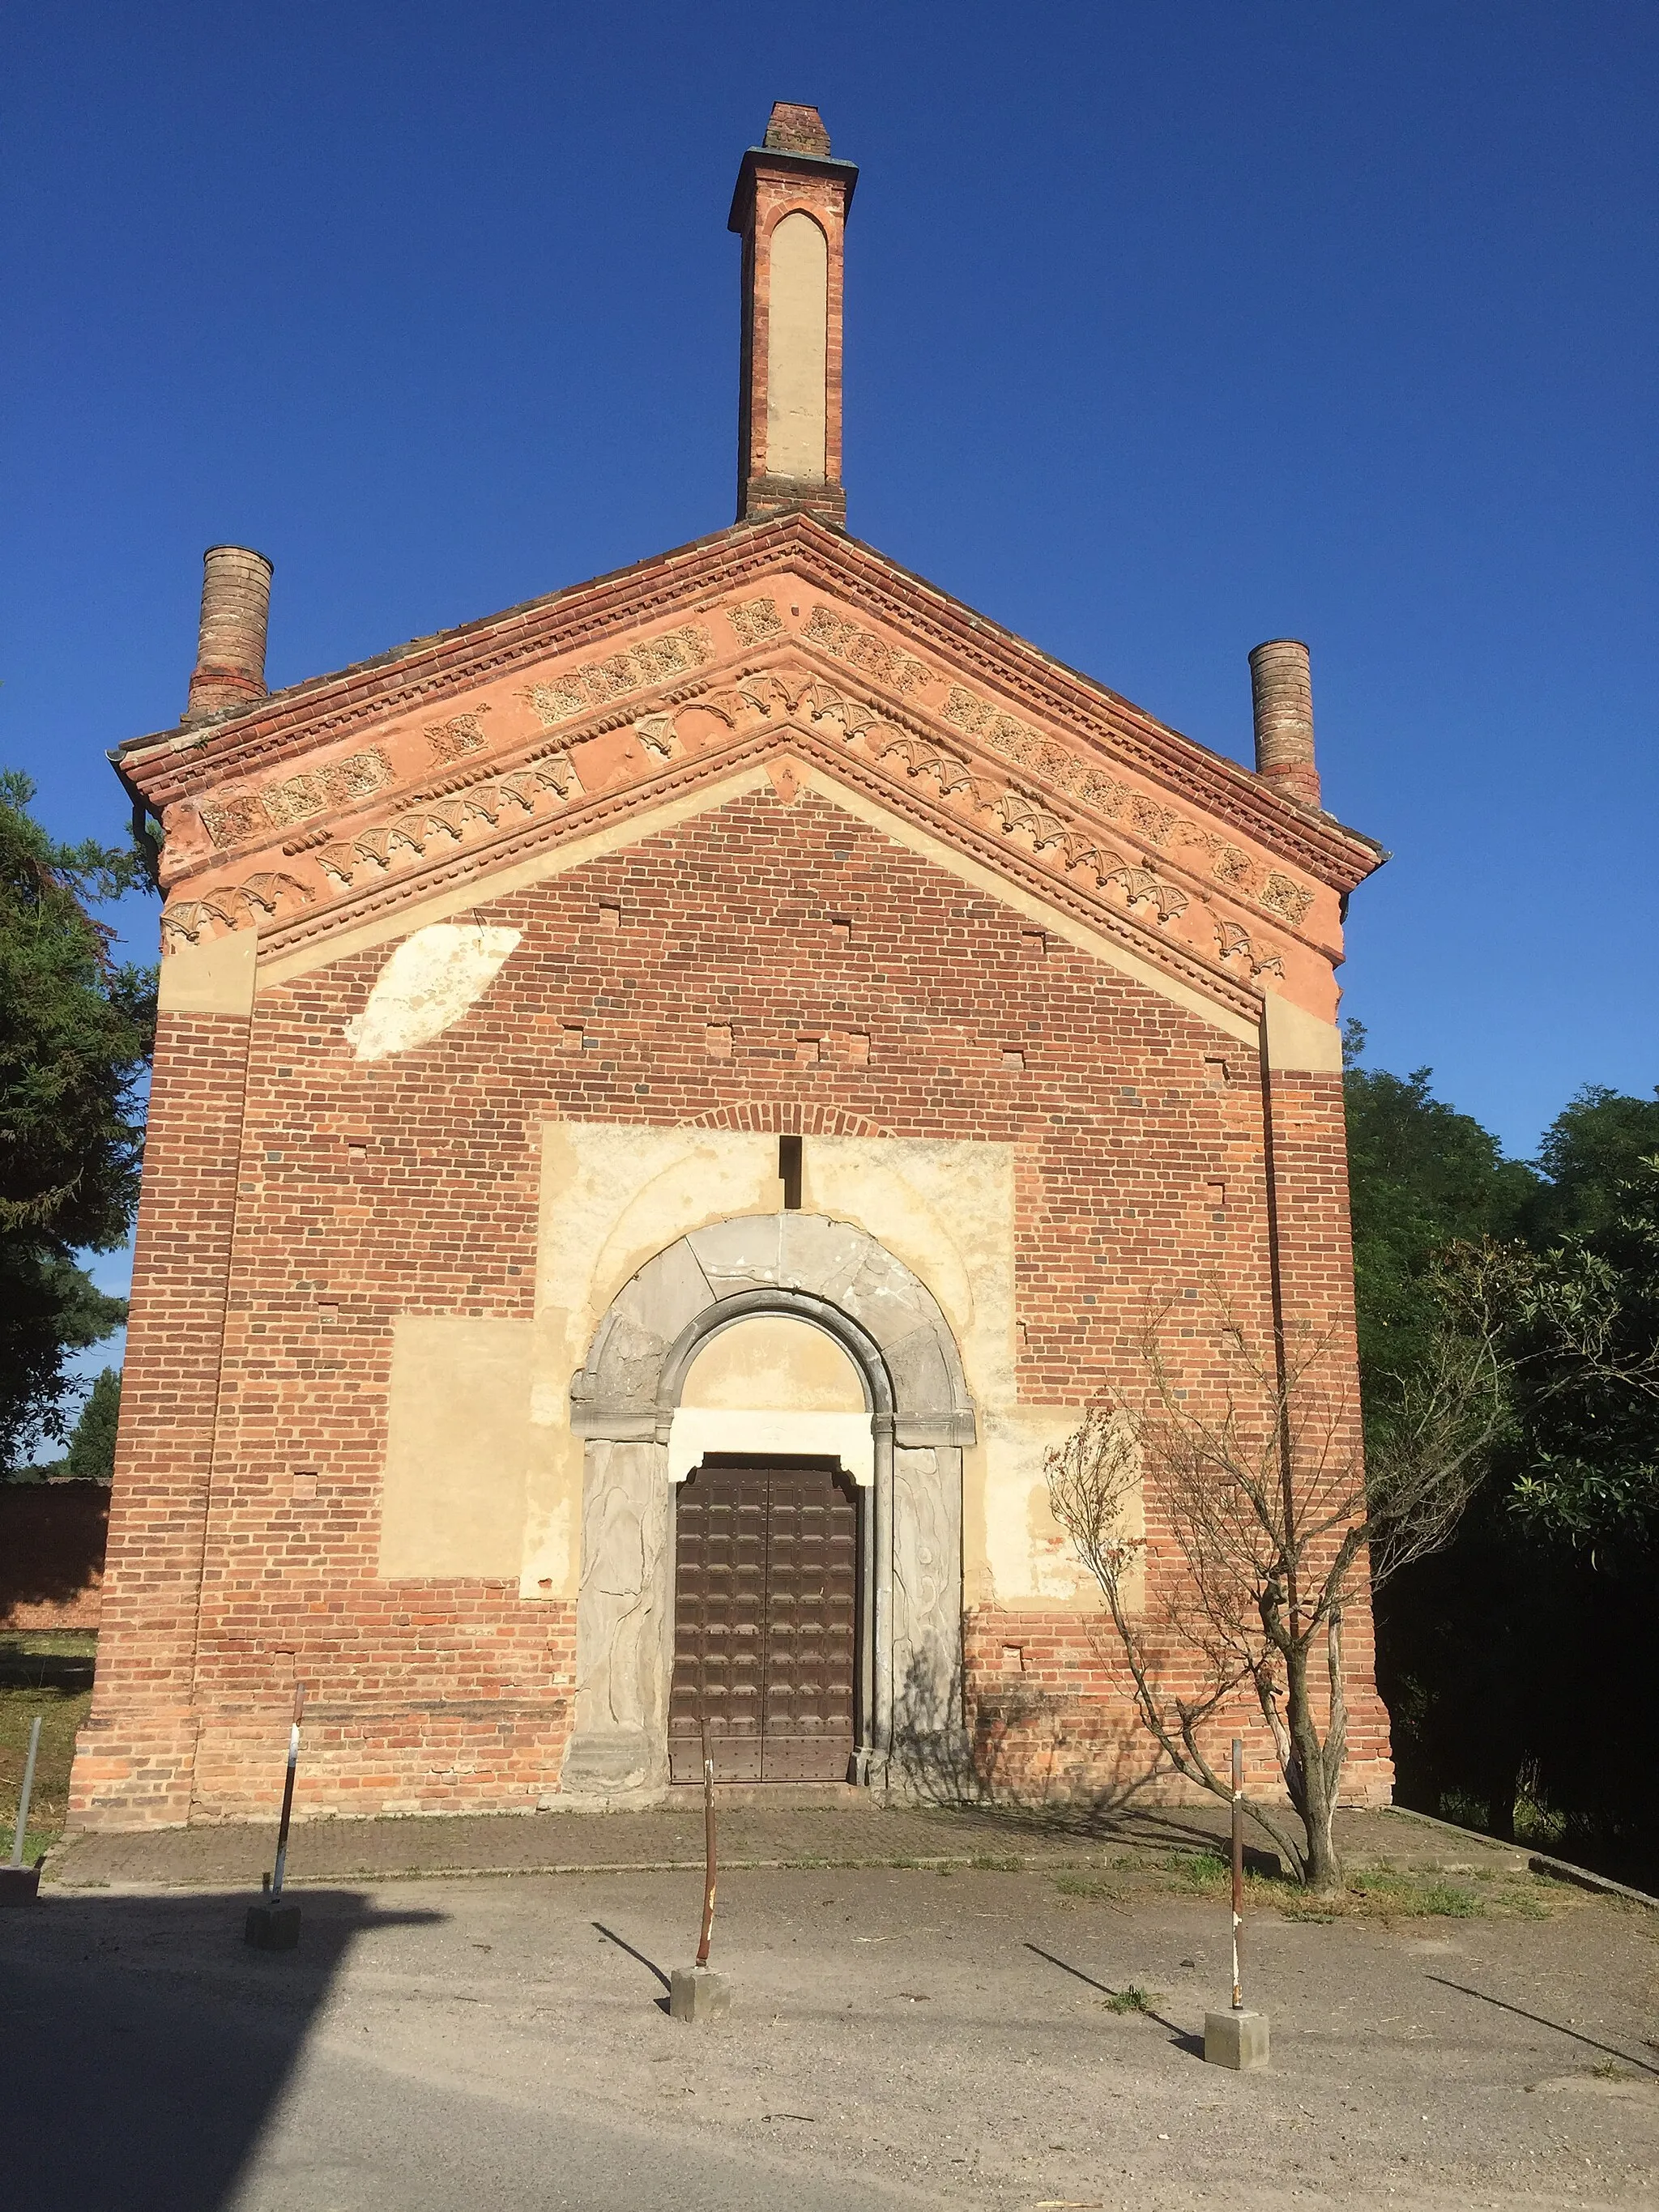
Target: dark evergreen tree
(76, 1033)
(91, 1455)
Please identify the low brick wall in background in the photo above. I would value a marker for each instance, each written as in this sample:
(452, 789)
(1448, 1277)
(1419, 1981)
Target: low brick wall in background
(51, 1554)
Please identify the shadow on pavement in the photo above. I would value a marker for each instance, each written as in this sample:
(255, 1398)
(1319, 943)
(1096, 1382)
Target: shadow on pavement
(1539, 2021)
(143, 2045)
(1183, 2040)
(622, 1944)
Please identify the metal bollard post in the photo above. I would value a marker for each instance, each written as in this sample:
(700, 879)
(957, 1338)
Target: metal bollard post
(272, 1925)
(21, 1829)
(707, 1860)
(1236, 2037)
(20, 1885)
(695, 1992)
(288, 1797)
(1238, 1867)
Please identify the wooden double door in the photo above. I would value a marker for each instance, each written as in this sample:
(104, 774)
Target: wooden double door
(765, 1622)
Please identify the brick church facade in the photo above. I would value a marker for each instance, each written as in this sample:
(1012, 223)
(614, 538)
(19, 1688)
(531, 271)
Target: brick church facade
(667, 1102)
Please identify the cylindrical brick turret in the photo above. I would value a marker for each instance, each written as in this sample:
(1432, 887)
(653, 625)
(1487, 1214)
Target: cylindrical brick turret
(230, 651)
(1282, 691)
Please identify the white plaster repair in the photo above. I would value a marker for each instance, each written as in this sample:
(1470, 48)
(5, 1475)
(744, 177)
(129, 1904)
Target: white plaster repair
(428, 983)
(611, 1196)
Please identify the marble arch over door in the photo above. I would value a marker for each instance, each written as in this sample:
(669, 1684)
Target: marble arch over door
(842, 1280)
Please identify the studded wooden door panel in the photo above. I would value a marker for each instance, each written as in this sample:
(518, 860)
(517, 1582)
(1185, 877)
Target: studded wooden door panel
(766, 1564)
(720, 1612)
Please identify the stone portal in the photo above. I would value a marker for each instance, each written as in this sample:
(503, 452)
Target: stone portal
(775, 1344)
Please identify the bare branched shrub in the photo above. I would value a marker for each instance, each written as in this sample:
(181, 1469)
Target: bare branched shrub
(1274, 1516)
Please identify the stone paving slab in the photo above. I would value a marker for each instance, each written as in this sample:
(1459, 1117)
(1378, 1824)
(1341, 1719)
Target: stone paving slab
(751, 1834)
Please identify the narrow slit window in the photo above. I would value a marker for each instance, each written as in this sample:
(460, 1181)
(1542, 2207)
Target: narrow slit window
(789, 1167)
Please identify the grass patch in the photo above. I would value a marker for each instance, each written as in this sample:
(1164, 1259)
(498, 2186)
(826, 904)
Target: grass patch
(1523, 1904)
(48, 1673)
(1369, 1892)
(989, 1863)
(1083, 1885)
(1200, 1873)
(1133, 1998)
(1408, 1893)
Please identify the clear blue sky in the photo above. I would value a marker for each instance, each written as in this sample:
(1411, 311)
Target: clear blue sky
(1172, 325)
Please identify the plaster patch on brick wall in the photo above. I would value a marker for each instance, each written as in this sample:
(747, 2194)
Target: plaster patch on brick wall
(428, 983)
(1027, 1554)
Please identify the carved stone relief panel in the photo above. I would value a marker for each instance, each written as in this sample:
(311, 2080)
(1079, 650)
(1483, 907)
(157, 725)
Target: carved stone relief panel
(754, 620)
(317, 792)
(927, 1598)
(623, 1651)
(861, 648)
(654, 661)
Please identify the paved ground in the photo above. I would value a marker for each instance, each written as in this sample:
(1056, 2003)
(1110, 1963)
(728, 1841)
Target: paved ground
(902, 2038)
(855, 1831)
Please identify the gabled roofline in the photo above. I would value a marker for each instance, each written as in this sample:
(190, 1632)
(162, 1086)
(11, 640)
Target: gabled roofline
(241, 739)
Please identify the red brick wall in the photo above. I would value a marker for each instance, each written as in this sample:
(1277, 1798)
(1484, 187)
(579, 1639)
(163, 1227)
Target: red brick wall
(51, 1554)
(1308, 1186)
(135, 1756)
(364, 1190)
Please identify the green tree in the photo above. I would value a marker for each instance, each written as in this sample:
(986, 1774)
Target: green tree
(91, 1455)
(76, 1030)
(1589, 1152)
(1583, 1337)
(1502, 1659)
(1422, 1176)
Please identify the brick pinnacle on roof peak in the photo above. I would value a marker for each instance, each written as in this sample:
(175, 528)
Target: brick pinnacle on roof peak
(796, 130)
(790, 210)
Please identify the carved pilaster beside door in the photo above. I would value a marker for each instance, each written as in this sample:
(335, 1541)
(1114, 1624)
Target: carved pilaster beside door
(624, 1647)
(926, 1681)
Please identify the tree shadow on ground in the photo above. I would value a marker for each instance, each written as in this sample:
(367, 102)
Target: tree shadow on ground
(146, 2046)
(1044, 1763)
(1538, 2020)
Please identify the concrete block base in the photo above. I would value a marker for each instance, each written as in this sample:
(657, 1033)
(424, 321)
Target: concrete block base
(272, 1927)
(19, 1884)
(1238, 2039)
(698, 1993)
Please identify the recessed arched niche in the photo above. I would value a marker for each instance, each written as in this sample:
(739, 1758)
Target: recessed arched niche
(797, 345)
(771, 1382)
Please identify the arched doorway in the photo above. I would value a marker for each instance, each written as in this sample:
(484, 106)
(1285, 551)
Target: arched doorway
(640, 1403)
